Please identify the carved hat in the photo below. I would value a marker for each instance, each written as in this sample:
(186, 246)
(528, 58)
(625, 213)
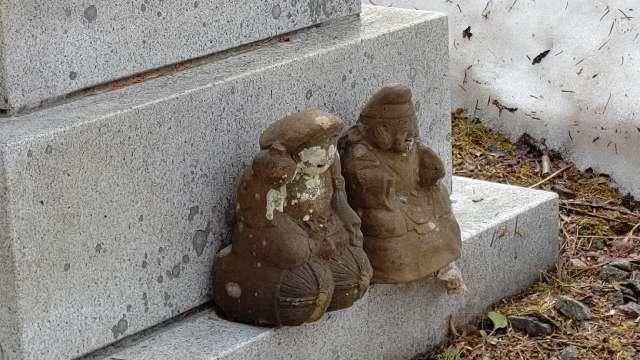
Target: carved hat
(301, 130)
(391, 104)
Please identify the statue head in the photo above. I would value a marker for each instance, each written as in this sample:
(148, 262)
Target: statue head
(309, 137)
(389, 120)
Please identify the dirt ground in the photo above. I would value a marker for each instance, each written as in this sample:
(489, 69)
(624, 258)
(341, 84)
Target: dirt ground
(599, 266)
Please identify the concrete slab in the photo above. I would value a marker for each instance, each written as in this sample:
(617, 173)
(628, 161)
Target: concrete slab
(52, 47)
(114, 205)
(510, 235)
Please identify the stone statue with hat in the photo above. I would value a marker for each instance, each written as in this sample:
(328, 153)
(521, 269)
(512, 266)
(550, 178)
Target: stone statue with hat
(394, 184)
(297, 249)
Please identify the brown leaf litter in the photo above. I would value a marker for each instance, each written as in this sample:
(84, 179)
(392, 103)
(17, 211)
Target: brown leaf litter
(600, 230)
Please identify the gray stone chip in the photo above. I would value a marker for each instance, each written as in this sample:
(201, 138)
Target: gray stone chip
(573, 308)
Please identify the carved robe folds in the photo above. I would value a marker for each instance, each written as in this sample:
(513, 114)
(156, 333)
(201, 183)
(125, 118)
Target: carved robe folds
(297, 246)
(393, 183)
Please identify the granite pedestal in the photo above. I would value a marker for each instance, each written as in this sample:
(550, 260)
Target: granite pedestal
(49, 48)
(113, 206)
(510, 235)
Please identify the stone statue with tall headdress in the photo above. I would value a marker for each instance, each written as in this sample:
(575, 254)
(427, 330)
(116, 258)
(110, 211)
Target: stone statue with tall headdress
(394, 183)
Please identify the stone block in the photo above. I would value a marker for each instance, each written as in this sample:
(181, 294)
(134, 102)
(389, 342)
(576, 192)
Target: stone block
(112, 206)
(510, 235)
(53, 47)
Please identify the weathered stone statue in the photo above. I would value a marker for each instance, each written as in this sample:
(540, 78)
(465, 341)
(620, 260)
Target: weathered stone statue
(393, 183)
(297, 245)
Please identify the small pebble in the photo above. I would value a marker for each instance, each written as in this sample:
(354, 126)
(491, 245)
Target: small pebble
(598, 244)
(611, 273)
(634, 286)
(617, 299)
(631, 308)
(573, 308)
(530, 326)
(622, 264)
(569, 353)
(578, 264)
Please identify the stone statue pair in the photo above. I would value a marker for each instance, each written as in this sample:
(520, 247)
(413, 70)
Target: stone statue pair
(307, 240)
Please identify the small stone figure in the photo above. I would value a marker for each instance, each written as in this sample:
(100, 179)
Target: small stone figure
(393, 183)
(297, 246)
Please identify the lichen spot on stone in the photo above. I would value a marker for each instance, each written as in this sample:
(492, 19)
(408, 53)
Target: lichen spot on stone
(233, 290)
(316, 160)
(333, 152)
(359, 151)
(91, 13)
(276, 199)
(324, 121)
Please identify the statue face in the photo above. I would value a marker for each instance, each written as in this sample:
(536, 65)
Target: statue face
(405, 139)
(400, 137)
(316, 160)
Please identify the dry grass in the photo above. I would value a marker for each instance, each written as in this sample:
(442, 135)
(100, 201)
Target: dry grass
(597, 226)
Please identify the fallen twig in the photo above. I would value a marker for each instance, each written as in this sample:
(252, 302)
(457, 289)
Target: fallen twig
(545, 180)
(602, 237)
(627, 242)
(601, 206)
(584, 212)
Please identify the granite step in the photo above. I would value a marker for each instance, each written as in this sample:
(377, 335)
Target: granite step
(112, 206)
(49, 48)
(510, 235)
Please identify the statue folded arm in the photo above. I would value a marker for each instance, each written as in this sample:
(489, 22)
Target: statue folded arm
(374, 186)
(431, 166)
(285, 244)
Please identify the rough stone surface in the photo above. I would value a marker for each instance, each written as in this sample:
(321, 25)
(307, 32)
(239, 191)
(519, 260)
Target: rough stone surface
(530, 325)
(8, 307)
(53, 47)
(573, 308)
(612, 273)
(569, 353)
(115, 204)
(634, 286)
(622, 264)
(508, 238)
(630, 308)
